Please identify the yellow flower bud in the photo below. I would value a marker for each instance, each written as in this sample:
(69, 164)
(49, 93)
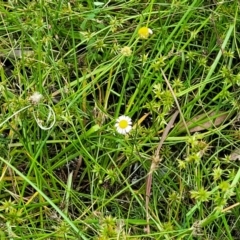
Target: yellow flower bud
(144, 32)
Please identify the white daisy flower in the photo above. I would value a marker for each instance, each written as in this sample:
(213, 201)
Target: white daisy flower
(123, 124)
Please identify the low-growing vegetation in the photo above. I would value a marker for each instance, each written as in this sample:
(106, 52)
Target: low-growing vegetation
(119, 119)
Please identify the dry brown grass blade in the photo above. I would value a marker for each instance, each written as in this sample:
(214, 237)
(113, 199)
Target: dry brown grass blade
(155, 161)
(139, 122)
(205, 121)
(79, 164)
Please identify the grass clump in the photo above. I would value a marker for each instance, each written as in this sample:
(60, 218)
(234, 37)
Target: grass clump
(119, 120)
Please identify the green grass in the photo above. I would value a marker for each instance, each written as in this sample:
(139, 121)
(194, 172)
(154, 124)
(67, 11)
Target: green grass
(66, 173)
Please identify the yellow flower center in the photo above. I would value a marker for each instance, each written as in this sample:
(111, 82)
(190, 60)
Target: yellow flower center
(123, 124)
